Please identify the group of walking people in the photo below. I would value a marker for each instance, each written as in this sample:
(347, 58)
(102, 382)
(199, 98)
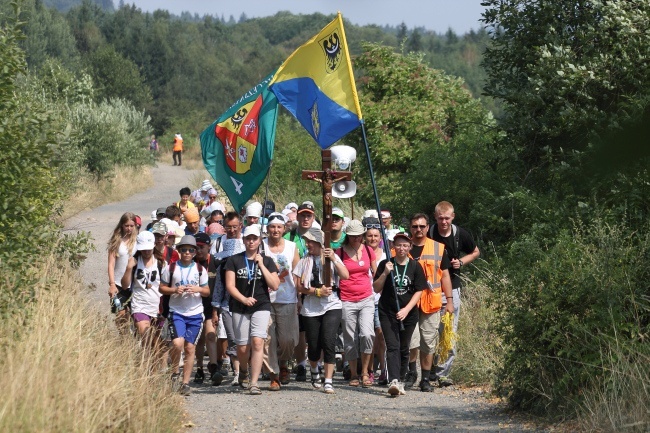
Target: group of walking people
(262, 290)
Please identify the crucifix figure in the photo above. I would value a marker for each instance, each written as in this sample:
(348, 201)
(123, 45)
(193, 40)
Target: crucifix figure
(327, 177)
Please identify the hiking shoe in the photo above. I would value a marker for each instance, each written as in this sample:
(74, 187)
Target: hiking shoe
(199, 377)
(445, 381)
(301, 373)
(285, 378)
(315, 380)
(235, 379)
(184, 389)
(425, 386)
(382, 379)
(216, 378)
(212, 367)
(275, 385)
(393, 388)
(328, 388)
(410, 379)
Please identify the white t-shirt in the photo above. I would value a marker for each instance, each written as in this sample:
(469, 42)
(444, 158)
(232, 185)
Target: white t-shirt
(146, 299)
(312, 305)
(286, 293)
(122, 259)
(187, 304)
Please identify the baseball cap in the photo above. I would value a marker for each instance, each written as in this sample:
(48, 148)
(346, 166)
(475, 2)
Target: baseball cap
(269, 207)
(253, 229)
(159, 228)
(338, 212)
(401, 235)
(161, 211)
(202, 238)
(291, 206)
(145, 241)
(137, 220)
(306, 207)
(385, 214)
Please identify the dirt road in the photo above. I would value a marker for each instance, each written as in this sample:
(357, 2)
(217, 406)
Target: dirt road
(297, 408)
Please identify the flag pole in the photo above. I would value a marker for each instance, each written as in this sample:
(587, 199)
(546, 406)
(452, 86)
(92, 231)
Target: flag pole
(383, 232)
(266, 194)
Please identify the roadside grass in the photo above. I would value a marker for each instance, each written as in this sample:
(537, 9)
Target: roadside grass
(90, 193)
(479, 347)
(65, 368)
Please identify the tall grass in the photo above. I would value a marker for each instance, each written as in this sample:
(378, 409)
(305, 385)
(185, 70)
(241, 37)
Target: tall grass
(479, 348)
(122, 183)
(64, 368)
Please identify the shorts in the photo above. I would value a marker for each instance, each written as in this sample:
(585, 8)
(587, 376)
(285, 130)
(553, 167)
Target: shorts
(154, 321)
(428, 327)
(187, 327)
(221, 330)
(250, 325)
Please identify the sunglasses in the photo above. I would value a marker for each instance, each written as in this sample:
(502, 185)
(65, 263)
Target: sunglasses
(218, 221)
(373, 226)
(415, 226)
(187, 250)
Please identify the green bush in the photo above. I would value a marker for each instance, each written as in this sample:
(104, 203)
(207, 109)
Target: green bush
(565, 301)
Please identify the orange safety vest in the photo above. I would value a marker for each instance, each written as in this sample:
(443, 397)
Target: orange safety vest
(431, 299)
(178, 145)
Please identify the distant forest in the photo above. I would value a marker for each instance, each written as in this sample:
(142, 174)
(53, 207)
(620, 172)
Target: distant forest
(177, 67)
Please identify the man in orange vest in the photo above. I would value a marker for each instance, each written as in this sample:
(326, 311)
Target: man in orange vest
(434, 260)
(178, 148)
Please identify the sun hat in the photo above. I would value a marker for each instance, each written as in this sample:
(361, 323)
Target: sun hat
(276, 218)
(145, 241)
(254, 209)
(202, 238)
(192, 215)
(338, 212)
(370, 213)
(315, 235)
(159, 228)
(355, 228)
(253, 229)
(187, 240)
(206, 185)
(306, 207)
(215, 228)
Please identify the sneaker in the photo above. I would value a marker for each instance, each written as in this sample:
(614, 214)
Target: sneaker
(199, 377)
(410, 379)
(216, 378)
(212, 367)
(400, 385)
(425, 386)
(243, 380)
(328, 388)
(445, 381)
(315, 380)
(285, 377)
(393, 388)
(275, 385)
(185, 389)
(301, 373)
(382, 380)
(235, 379)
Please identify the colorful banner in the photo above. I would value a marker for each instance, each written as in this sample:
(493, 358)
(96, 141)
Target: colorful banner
(317, 86)
(238, 147)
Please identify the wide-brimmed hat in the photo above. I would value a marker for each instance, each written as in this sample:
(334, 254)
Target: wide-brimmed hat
(314, 234)
(355, 228)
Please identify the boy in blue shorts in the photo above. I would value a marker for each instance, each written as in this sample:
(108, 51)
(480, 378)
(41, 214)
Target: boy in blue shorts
(186, 282)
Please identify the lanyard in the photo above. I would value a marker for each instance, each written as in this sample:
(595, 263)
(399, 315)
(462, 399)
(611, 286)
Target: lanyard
(400, 280)
(250, 269)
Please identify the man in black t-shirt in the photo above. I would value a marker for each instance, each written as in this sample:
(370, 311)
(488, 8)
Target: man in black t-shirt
(462, 250)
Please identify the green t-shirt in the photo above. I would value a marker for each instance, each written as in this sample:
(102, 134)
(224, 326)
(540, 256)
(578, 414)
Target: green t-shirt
(337, 244)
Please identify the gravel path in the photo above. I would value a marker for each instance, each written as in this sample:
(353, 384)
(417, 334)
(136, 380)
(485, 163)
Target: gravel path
(296, 407)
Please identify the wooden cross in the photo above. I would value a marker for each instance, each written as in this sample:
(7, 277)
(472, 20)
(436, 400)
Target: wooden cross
(327, 177)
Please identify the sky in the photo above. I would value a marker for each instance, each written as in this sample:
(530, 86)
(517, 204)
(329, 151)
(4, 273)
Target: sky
(435, 15)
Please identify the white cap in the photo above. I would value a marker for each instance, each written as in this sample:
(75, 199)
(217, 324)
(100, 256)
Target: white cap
(276, 218)
(291, 205)
(370, 213)
(145, 241)
(254, 209)
(385, 214)
(286, 211)
(253, 229)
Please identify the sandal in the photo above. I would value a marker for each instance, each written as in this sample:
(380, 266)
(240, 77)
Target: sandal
(366, 382)
(354, 381)
(254, 390)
